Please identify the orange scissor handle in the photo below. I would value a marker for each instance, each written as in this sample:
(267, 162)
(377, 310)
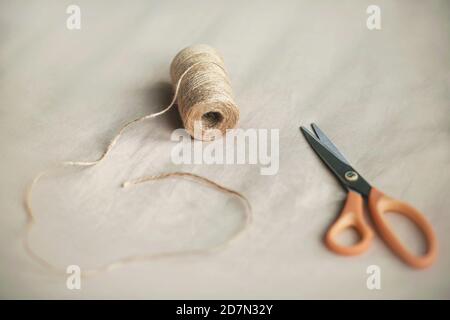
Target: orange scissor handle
(351, 216)
(379, 204)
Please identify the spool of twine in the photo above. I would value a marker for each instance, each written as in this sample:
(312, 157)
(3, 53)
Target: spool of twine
(205, 97)
(203, 92)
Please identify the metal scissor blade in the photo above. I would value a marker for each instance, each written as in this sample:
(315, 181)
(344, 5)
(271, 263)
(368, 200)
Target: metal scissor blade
(325, 154)
(308, 134)
(337, 166)
(327, 142)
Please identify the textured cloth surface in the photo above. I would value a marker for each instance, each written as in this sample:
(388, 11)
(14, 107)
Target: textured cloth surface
(382, 96)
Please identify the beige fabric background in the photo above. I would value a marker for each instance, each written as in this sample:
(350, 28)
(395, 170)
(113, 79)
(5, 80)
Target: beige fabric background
(383, 96)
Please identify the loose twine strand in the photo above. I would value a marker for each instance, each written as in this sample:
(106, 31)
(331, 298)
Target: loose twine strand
(31, 217)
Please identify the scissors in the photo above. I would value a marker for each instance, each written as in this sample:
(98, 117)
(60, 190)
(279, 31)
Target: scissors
(352, 216)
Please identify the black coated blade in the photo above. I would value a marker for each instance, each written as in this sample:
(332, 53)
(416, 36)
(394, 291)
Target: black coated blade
(336, 165)
(328, 143)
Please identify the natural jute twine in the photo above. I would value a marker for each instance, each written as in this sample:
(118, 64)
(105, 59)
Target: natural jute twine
(199, 77)
(205, 96)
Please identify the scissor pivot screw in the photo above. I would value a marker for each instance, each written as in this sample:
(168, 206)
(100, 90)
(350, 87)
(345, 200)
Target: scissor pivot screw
(351, 176)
